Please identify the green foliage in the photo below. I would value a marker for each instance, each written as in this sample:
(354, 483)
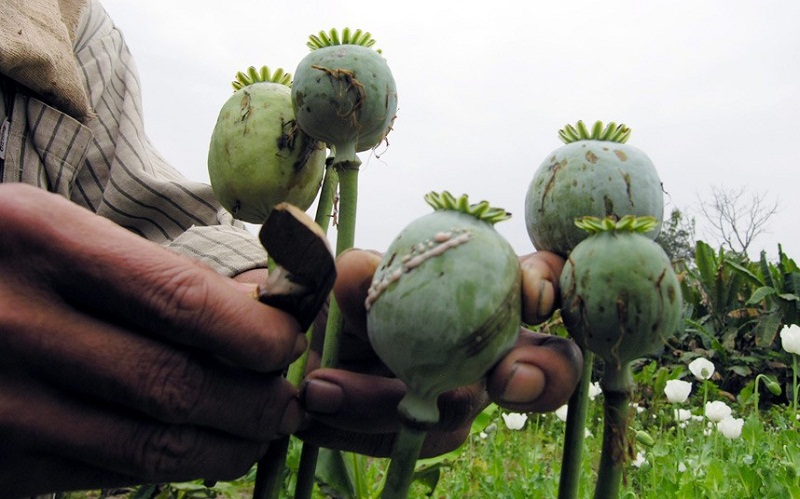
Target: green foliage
(735, 309)
(777, 293)
(677, 237)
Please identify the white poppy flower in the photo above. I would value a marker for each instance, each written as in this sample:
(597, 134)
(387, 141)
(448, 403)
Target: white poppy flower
(717, 410)
(731, 427)
(515, 420)
(677, 391)
(790, 339)
(594, 390)
(702, 368)
(561, 412)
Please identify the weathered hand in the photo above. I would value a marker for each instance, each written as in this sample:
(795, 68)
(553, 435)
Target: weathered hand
(122, 362)
(354, 407)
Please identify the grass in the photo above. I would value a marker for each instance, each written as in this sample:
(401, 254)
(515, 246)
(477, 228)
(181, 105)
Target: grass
(691, 462)
(689, 459)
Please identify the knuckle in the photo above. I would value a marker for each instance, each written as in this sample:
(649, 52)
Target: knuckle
(170, 453)
(179, 453)
(172, 387)
(180, 297)
(160, 453)
(568, 350)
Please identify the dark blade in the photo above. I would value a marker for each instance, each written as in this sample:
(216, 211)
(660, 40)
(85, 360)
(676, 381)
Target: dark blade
(306, 269)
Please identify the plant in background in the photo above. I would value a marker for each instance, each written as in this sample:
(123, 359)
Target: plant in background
(448, 291)
(594, 390)
(776, 290)
(731, 427)
(562, 412)
(790, 339)
(737, 308)
(719, 323)
(701, 368)
(515, 420)
(677, 391)
(682, 415)
(677, 237)
(717, 410)
(639, 460)
(714, 291)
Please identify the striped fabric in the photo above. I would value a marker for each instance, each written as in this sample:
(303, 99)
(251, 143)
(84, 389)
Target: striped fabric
(108, 164)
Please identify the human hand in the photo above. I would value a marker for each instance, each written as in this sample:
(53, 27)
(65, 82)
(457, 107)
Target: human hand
(122, 362)
(354, 407)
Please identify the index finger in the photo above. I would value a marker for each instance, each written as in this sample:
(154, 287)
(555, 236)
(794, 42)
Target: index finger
(355, 268)
(108, 271)
(540, 294)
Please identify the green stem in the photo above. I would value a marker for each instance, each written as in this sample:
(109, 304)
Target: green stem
(575, 432)
(755, 393)
(348, 199)
(345, 239)
(322, 218)
(346, 176)
(306, 471)
(326, 195)
(794, 390)
(617, 386)
(269, 474)
(404, 459)
(357, 463)
(271, 467)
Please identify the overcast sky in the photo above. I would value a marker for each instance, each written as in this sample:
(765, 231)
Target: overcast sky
(711, 90)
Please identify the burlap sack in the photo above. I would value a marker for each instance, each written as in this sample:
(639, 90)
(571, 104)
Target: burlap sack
(36, 39)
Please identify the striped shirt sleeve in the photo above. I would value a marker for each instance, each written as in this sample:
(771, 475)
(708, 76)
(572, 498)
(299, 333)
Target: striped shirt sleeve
(109, 165)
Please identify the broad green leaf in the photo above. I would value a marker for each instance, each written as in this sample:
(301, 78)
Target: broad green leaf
(706, 264)
(760, 295)
(766, 330)
(332, 472)
(745, 272)
(743, 371)
(766, 271)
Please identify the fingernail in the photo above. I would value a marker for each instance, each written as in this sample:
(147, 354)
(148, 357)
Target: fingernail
(247, 288)
(322, 397)
(525, 384)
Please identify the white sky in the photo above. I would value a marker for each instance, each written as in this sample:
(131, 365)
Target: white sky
(710, 88)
